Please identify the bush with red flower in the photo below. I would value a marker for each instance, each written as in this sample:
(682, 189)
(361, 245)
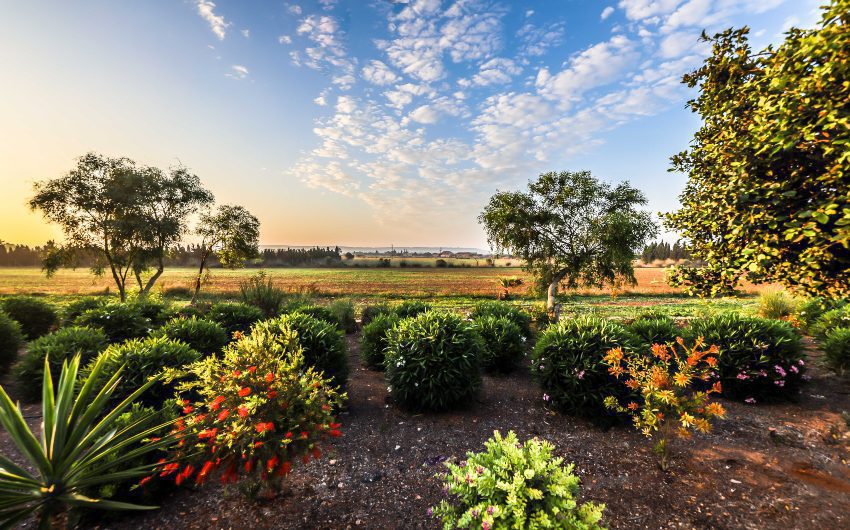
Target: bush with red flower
(261, 411)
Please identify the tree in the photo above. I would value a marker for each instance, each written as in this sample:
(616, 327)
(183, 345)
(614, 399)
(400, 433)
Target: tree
(231, 234)
(570, 228)
(768, 193)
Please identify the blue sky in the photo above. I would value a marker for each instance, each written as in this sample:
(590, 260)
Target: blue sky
(359, 122)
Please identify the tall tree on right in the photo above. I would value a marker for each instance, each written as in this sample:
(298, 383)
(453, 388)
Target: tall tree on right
(768, 192)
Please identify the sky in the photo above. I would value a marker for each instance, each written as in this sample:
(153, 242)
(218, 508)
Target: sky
(361, 122)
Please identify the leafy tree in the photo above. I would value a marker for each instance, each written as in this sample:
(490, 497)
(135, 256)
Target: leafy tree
(768, 194)
(571, 228)
(231, 233)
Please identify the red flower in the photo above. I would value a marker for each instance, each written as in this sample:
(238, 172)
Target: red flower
(272, 394)
(272, 463)
(229, 475)
(208, 433)
(237, 373)
(169, 469)
(334, 425)
(288, 435)
(188, 409)
(335, 433)
(284, 469)
(316, 453)
(216, 404)
(326, 407)
(223, 415)
(304, 435)
(243, 412)
(252, 369)
(269, 377)
(144, 481)
(244, 392)
(249, 465)
(263, 427)
(205, 471)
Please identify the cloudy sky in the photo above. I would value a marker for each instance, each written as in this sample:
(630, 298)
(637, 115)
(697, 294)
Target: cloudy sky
(361, 122)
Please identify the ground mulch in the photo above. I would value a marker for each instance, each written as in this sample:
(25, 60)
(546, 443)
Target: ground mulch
(784, 465)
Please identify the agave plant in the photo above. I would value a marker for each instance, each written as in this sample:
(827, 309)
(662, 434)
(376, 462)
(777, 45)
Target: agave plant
(79, 448)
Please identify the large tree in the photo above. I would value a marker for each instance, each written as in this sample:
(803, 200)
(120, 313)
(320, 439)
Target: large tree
(231, 233)
(571, 229)
(768, 192)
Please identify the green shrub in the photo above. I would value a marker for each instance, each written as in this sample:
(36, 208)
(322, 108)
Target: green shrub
(11, 340)
(411, 308)
(315, 311)
(432, 361)
(504, 343)
(514, 485)
(35, 316)
(261, 292)
(830, 320)
(204, 336)
(374, 340)
(233, 316)
(343, 313)
(153, 308)
(810, 310)
(759, 358)
(836, 349)
(78, 306)
(649, 331)
(777, 305)
(120, 321)
(372, 311)
(57, 347)
(143, 359)
(323, 346)
(568, 362)
(503, 309)
(197, 310)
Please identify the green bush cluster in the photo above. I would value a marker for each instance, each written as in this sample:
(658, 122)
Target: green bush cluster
(120, 321)
(370, 312)
(373, 341)
(432, 361)
(649, 330)
(777, 305)
(261, 292)
(830, 320)
(153, 308)
(514, 485)
(343, 312)
(811, 310)
(836, 349)
(35, 316)
(11, 340)
(78, 306)
(234, 316)
(503, 309)
(503, 343)
(410, 308)
(205, 336)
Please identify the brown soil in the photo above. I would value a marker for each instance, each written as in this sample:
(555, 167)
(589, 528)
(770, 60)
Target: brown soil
(767, 466)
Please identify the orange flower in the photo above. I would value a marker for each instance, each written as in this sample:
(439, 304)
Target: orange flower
(711, 361)
(216, 404)
(269, 377)
(237, 373)
(632, 383)
(188, 409)
(326, 407)
(716, 388)
(244, 392)
(252, 369)
(264, 426)
(632, 406)
(715, 409)
(223, 415)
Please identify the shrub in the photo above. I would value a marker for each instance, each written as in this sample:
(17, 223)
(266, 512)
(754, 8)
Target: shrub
(323, 346)
(432, 361)
(777, 305)
(759, 358)
(154, 309)
(204, 336)
(11, 340)
(233, 316)
(197, 310)
(812, 309)
(315, 311)
(836, 349)
(261, 292)
(143, 359)
(259, 412)
(410, 308)
(503, 309)
(119, 321)
(35, 316)
(504, 343)
(648, 331)
(668, 406)
(343, 313)
(514, 485)
(568, 362)
(830, 320)
(56, 347)
(374, 340)
(372, 311)
(78, 306)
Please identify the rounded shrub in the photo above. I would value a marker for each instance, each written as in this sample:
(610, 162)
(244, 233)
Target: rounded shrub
(78, 306)
(315, 311)
(568, 362)
(234, 316)
(432, 361)
(372, 311)
(11, 340)
(503, 309)
(649, 331)
(836, 349)
(343, 313)
(777, 305)
(120, 321)
(514, 485)
(58, 346)
(759, 358)
(810, 310)
(35, 316)
(504, 343)
(197, 311)
(154, 309)
(410, 308)
(205, 336)
(143, 359)
(830, 320)
(322, 345)
(374, 340)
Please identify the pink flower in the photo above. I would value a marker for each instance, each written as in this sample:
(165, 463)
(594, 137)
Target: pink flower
(750, 400)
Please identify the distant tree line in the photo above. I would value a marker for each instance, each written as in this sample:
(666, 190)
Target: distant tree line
(663, 251)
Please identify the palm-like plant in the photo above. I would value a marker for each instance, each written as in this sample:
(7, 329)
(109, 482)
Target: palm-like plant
(79, 448)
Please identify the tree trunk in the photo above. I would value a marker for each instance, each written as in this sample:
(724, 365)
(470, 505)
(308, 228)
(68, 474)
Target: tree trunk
(551, 306)
(204, 257)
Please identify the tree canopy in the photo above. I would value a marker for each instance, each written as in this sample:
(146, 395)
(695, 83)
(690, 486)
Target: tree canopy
(569, 228)
(768, 192)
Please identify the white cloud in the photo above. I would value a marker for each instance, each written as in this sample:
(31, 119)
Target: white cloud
(424, 114)
(217, 23)
(646, 9)
(607, 12)
(678, 44)
(537, 40)
(494, 71)
(295, 9)
(378, 73)
(246, 33)
(237, 72)
(320, 101)
(285, 39)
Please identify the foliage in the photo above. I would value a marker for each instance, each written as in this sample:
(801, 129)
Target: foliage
(571, 228)
(322, 345)
(411, 308)
(767, 194)
(504, 343)
(232, 234)
(656, 330)
(836, 349)
(568, 362)
(706, 281)
(777, 305)
(35, 316)
(668, 406)
(811, 309)
(56, 347)
(373, 341)
(759, 358)
(261, 292)
(314, 310)
(77, 447)
(501, 309)
(514, 485)
(142, 360)
(204, 336)
(370, 312)
(78, 306)
(832, 319)
(233, 316)
(343, 313)
(153, 308)
(259, 411)
(11, 340)
(120, 321)
(432, 361)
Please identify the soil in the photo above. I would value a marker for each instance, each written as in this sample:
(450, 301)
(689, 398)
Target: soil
(784, 465)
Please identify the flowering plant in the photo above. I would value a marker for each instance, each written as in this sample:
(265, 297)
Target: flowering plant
(669, 404)
(260, 410)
